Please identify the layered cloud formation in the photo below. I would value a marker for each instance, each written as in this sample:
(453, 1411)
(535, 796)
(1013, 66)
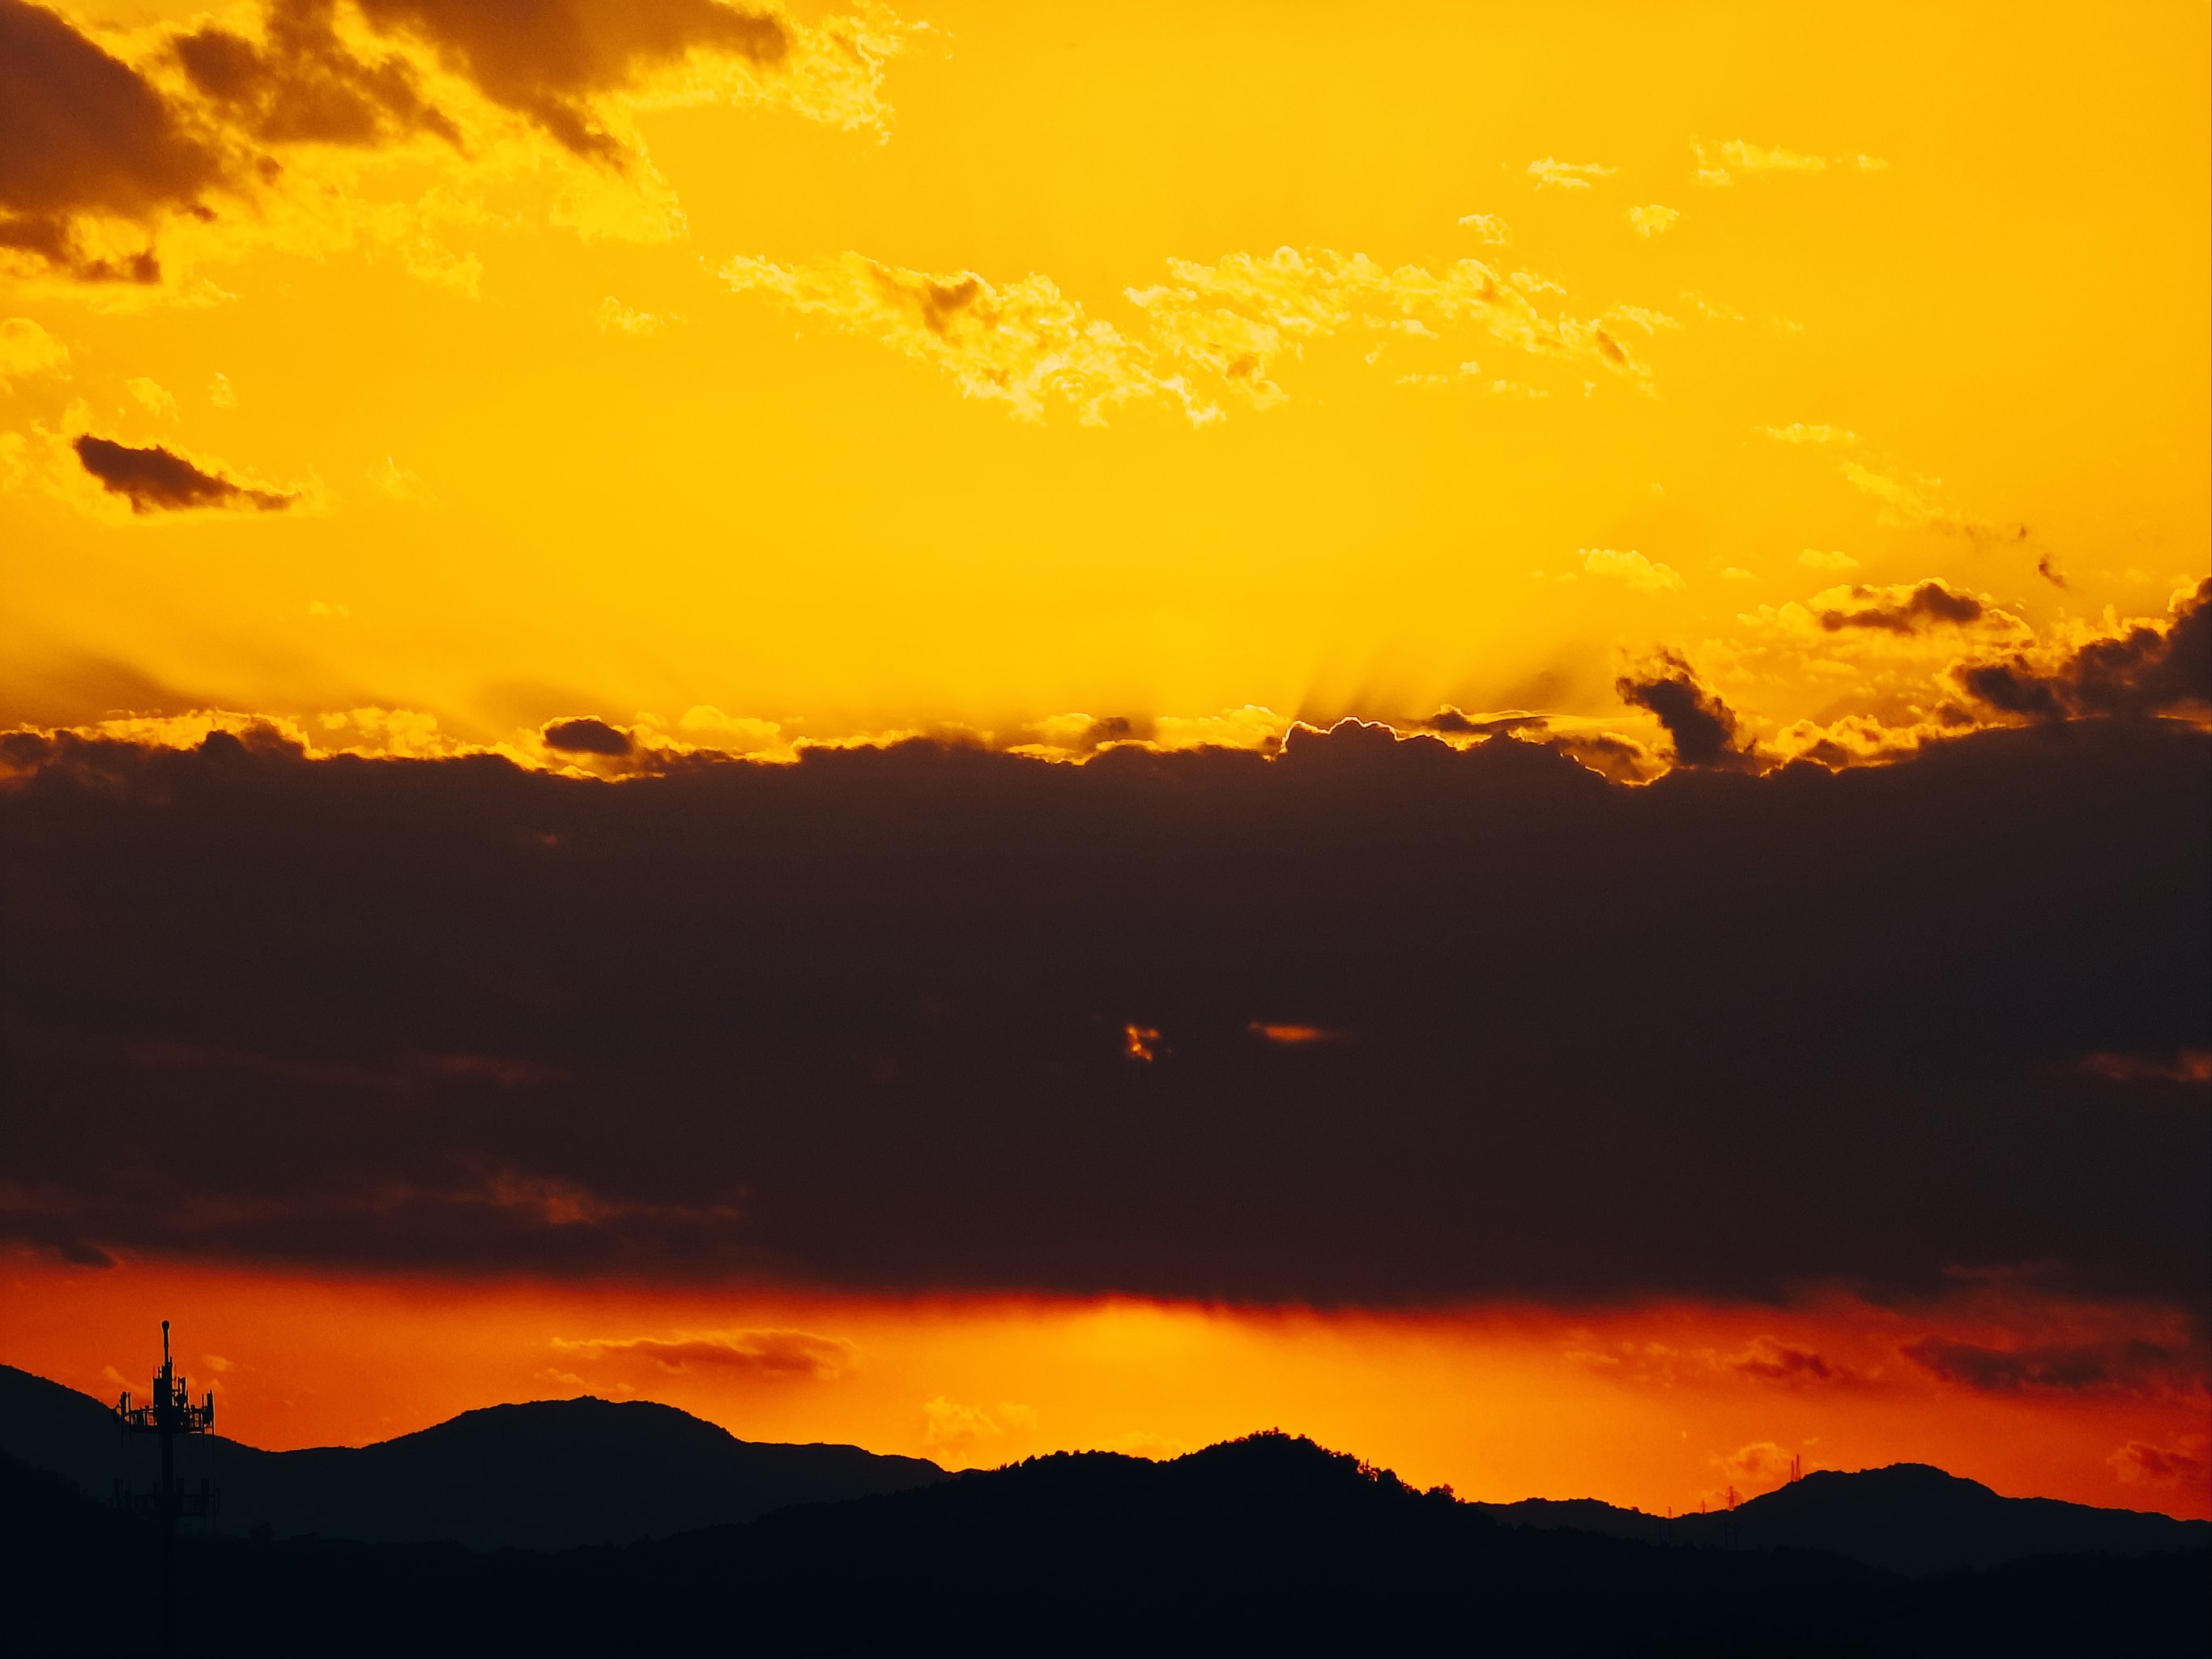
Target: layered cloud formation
(1213, 329)
(106, 146)
(920, 1017)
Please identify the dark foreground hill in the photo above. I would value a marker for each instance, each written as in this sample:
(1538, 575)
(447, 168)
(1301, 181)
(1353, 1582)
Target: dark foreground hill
(557, 1475)
(1265, 1544)
(552, 1474)
(1909, 1518)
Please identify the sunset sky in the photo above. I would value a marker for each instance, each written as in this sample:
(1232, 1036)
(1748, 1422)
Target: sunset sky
(671, 684)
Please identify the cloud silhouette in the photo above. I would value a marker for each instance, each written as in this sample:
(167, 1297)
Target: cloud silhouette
(1705, 729)
(155, 479)
(861, 1018)
(584, 735)
(303, 83)
(2148, 669)
(2128, 1363)
(83, 133)
(769, 1353)
(547, 60)
(210, 117)
(1905, 610)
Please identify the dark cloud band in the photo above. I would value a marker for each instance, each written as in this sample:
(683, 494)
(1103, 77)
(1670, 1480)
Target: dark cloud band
(863, 1020)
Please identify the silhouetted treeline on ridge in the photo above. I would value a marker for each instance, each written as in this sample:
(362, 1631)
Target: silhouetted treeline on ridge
(1265, 1544)
(549, 1474)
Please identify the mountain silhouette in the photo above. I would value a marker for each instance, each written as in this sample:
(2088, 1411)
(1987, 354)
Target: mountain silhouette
(1909, 1518)
(551, 1474)
(1267, 1545)
(557, 1475)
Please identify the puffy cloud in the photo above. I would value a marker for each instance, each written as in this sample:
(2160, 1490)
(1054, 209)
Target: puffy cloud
(774, 1353)
(1705, 729)
(1551, 173)
(616, 318)
(1722, 165)
(583, 735)
(2147, 670)
(1768, 1359)
(731, 734)
(568, 67)
(1902, 503)
(555, 61)
(2126, 1364)
(1863, 739)
(2141, 1463)
(1488, 228)
(303, 82)
(1905, 501)
(397, 484)
(1458, 723)
(1236, 316)
(1022, 343)
(1907, 610)
(1920, 503)
(1813, 559)
(1210, 329)
(1751, 158)
(86, 137)
(860, 1019)
(26, 349)
(98, 155)
(1653, 219)
(1633, 568)
(1800, 432)
(960, 1431)
(152, 397)
(156, 479)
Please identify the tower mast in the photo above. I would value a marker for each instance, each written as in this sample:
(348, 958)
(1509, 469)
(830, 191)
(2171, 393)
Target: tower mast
(172, 1413)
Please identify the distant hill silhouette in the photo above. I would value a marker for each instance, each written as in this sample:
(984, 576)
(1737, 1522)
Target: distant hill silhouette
(557, 1475)
(552, 1474)
(1909, 1517)
(1267, 1545)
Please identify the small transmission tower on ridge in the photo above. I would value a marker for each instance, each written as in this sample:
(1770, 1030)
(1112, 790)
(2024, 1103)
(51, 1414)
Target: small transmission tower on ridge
(172, 1413)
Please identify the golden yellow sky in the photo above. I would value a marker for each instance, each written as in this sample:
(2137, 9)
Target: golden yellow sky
(415, 375)
(1766, 305)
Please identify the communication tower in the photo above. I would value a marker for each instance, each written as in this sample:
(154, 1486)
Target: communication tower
(172, 1413)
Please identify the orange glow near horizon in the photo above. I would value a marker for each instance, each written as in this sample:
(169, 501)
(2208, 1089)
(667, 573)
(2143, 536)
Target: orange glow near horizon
(1660, 1407)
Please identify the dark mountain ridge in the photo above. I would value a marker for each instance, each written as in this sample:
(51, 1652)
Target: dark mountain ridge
(549, 1474)
(555, 1474)
(1269, 1544)
(1910, 1518)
